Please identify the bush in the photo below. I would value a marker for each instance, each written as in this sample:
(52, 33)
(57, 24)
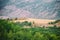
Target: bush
(10, 31)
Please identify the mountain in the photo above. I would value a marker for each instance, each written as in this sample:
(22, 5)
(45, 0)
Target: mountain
(41, 9)
(3, 17)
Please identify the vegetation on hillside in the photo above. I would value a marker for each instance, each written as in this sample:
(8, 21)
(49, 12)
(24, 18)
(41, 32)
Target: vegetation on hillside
(25, 23)
(13, 31)
(54, 22)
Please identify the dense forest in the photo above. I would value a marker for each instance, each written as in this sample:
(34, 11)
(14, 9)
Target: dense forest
(15, 31)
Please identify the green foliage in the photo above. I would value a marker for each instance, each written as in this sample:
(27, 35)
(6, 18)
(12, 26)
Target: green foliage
(7, 29)
(57, 21)
(25, 23)
(16, 18)
(51, 23)
(54, 22)
(12, 31)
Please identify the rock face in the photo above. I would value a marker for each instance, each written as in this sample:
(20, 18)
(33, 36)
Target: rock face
(47, 9)
(3, 17)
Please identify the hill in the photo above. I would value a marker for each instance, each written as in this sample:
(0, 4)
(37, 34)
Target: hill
(36, 22)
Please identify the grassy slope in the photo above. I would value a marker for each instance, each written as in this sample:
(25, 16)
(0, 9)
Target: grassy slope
(36, 21)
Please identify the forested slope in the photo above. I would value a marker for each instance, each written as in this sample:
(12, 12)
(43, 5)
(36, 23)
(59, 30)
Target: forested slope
(12, 31)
